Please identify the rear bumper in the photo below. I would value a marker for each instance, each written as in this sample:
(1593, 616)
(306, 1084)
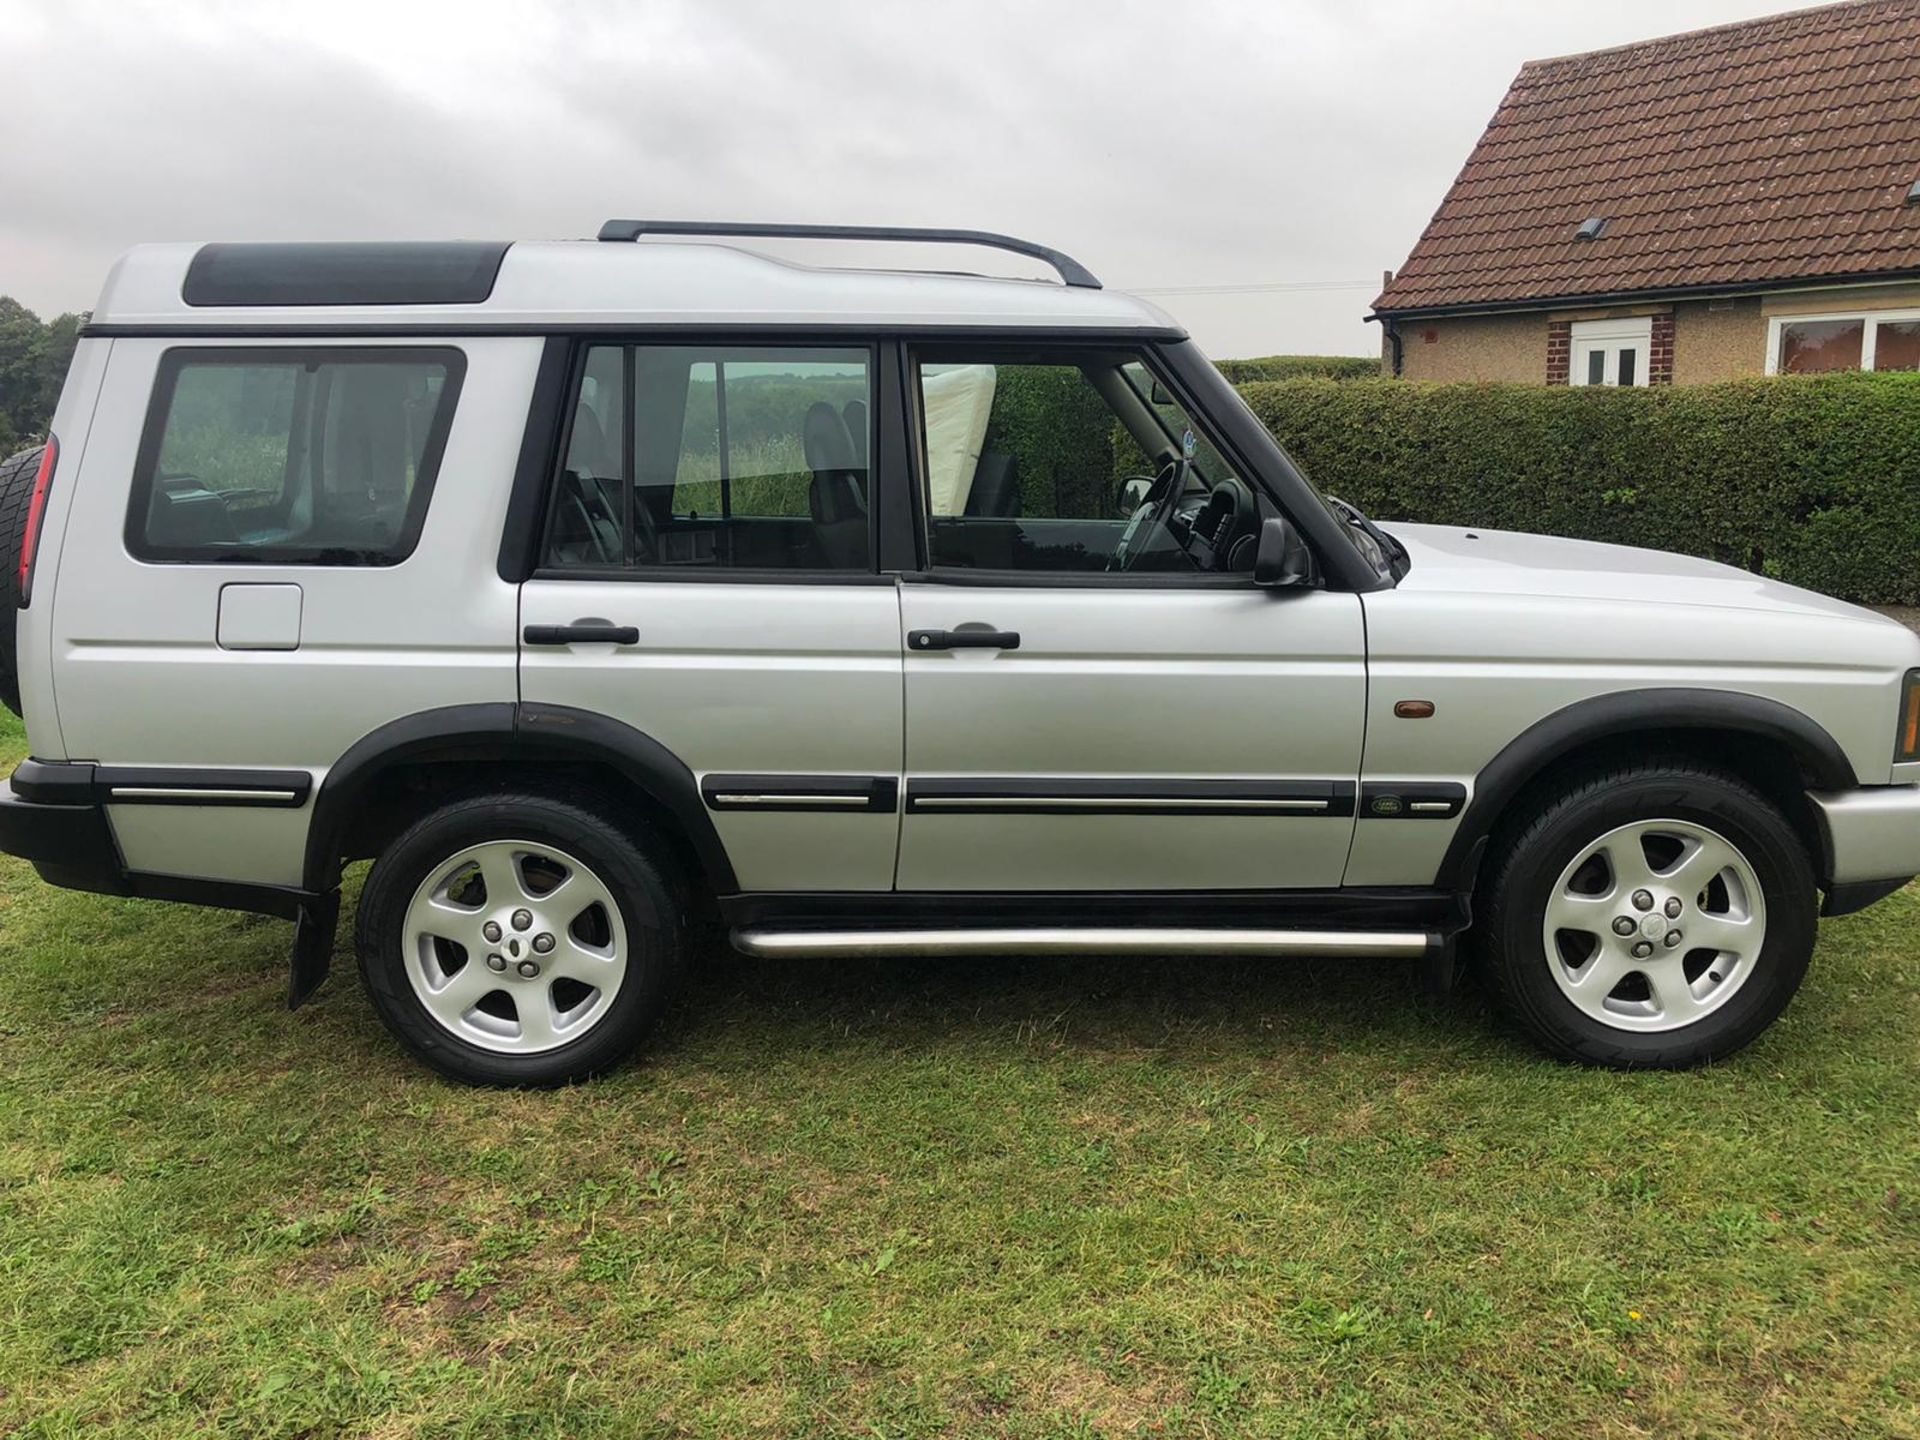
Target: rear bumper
(48, 817)
(1871, 840)
(69, 845)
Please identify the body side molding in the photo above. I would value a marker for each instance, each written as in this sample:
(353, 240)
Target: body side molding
(876, 794)
(1027, 795)
(81, 782)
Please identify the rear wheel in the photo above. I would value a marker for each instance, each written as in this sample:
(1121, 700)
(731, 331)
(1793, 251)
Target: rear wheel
(1653, 915)
(17, 474)
(518, 940)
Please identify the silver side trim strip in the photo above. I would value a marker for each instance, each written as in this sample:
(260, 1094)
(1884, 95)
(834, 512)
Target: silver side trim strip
(1106, 802)
(1045, 940)
(1432, 807)
(863, 802)
(172, 792)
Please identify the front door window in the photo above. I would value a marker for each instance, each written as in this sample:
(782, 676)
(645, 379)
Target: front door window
(1072, 463)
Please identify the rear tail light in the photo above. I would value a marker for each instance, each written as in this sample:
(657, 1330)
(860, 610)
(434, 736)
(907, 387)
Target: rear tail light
(1906, 744)
(36, 513)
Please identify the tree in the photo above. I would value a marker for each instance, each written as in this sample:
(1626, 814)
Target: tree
(33, 366)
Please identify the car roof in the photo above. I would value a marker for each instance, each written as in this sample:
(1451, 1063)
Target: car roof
(548, 284)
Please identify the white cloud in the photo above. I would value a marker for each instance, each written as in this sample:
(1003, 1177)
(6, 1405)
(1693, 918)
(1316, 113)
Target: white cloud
(1226, 143)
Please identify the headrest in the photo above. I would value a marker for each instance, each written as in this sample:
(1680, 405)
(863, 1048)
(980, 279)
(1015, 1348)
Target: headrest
(827, 445)
(587, 450)
(854, 412)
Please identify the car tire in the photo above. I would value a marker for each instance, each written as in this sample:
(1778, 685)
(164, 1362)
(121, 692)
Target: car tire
(17, 474)
(1623, 848)
(574, 934)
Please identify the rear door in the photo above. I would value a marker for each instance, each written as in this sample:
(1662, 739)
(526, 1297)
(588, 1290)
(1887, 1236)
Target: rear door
(707, 576)
(1093, 705)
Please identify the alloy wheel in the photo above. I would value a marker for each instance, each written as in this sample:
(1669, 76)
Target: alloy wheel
(515, 946)
(1655, 925)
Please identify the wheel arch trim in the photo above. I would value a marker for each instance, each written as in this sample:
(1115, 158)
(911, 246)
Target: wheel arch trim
(561, 732)
(503, 731)
(1628, 712)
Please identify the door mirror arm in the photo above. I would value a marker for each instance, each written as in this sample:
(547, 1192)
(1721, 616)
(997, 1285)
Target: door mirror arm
(1281, 560)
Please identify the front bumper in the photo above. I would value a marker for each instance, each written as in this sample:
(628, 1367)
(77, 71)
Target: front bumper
(1871, 842)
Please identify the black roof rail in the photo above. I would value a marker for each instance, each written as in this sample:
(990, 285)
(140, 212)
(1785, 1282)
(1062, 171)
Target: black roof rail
(1070, 270)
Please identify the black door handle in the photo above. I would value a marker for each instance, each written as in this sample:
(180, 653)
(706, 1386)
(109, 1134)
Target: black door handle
(582, 632)
(963, 640)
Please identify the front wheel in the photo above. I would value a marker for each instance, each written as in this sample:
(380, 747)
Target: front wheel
(1655, 915)
(518, 940)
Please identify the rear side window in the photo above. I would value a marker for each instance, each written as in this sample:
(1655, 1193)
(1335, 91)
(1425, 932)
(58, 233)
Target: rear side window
(716, 459)
(291, 456)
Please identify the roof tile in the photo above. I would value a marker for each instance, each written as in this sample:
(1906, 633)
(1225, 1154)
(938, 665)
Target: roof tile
(1773, 149)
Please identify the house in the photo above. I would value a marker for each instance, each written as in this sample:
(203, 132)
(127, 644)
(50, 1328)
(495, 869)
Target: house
(1734, 201)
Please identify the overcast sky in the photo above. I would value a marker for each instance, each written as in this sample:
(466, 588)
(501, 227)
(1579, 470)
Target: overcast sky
(1254, 144)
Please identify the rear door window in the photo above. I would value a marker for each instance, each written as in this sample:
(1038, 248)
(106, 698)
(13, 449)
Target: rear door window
(291, 456)
(717, 459)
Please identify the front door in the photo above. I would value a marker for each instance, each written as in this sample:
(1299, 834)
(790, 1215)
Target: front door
(707, 577)
(1097, 696)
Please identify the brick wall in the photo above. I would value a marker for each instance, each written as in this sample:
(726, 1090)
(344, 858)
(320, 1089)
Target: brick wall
(1560, 351)
(1660, 362)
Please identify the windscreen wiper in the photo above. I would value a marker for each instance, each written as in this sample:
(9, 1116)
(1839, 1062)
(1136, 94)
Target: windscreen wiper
(1391, 550)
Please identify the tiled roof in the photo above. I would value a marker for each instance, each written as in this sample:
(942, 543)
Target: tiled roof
(1759, 153)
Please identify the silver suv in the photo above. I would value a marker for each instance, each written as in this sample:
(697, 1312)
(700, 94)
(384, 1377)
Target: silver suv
(601, 591)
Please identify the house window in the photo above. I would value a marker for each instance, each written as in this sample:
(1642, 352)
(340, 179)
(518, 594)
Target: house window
(1815, 344)
(1610, 352)
(1896, 345)
(1810, 347)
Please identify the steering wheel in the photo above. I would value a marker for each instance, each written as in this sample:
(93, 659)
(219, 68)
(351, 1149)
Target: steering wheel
(1154, 512)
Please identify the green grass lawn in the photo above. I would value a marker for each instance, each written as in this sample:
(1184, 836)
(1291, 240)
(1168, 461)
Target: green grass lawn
(915, 1198)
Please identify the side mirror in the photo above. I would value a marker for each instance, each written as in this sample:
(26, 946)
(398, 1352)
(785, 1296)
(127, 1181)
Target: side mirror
(1133, 495)
(1281, 558)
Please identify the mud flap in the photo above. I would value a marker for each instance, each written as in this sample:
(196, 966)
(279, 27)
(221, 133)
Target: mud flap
(313, 930)
(1440, 966)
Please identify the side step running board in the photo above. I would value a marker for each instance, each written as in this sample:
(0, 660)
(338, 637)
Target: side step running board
(1054, 940)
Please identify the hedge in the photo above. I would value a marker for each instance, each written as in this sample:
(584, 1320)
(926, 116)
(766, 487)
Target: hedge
(1062, 433)
(1813, 480)
(1293, 367)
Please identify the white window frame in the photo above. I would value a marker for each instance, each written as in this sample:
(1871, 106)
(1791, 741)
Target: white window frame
(1609, 337)
(1869, 341)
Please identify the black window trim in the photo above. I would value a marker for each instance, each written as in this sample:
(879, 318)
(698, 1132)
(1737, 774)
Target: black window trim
(1246, 445)
(708, 575)
(582, 343)
(153, 434)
